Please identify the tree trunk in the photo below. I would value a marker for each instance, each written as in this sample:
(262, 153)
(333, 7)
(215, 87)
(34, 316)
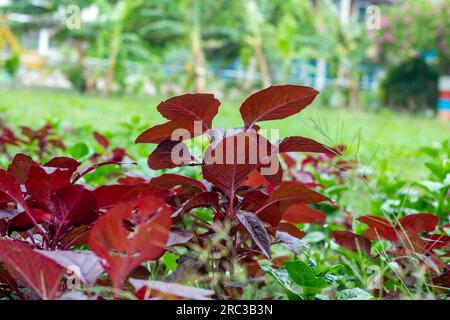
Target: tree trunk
(263, 66)
(199, 65)
(250, 74)
(354, 94)
(112, 61)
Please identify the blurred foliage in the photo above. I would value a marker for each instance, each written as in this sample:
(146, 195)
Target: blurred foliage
(415, 27)
(411, 85)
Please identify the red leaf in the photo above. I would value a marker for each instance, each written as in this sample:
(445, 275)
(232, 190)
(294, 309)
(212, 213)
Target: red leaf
(276, 102)
(22, 221)
(20, 167)
(191, 107)
(102, 140)
(37, 272)
(131, 180)
(146, 289)
(300, 213)
(75, 204)
(108, 196)
(437, 241)
(41, 185)
(380, 228)
(229, 163)
(255, 200)
(290, 192)
(418, 223)
(163, 132)
(170, 154)
(256, 229)
(291, 229)
(170, 180)
(125, 250)
(255, 180)
(202, 199)
(442, 280)
(11, 187)
(352, 241)
(301, 144)
(276, 178)
(63, 163)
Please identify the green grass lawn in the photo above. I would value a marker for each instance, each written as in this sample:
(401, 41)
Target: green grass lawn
(373, 137)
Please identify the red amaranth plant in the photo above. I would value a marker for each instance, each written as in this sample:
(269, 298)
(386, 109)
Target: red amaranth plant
(246, 202)
(47, 213)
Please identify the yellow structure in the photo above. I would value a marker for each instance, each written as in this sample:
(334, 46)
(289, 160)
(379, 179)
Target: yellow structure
(30, 59)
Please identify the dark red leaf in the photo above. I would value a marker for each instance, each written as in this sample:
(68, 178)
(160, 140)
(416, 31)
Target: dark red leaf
(291, 229)
(22, 221)
(380, 228)
(255, 180)
(20, 167)
(276, 102)
(301, 144)
(108, 196)
(102, 140)
(191, 107)
(301, 213)
(352, 241)
(34, 270)
(74, 204)
(255, 200)
(202, 199)
(291, 192)
(256, 229)
(276, 178)
(229, 163)
(170, 180)
(125, 250)
(164, 132)
(63, 163)
(442, 280)
(41, 185)
(11, 187)
(437, 241)
(418, 223)
(131, 180)
(170, 154)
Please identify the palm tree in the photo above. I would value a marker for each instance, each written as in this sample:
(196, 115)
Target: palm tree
(195, 24)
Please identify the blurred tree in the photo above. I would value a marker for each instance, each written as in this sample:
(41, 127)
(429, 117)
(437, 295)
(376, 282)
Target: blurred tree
(343, 43)
(295, 28)
(196, 24)
(413, 28)
(256, 28)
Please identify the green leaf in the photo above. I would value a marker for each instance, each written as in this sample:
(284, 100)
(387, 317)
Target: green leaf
(353, 294)
(305, 277)
(79, 150)
(170, 260)
(282, 277)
